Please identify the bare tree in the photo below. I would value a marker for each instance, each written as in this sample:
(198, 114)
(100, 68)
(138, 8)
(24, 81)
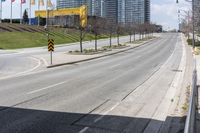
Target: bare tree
(134, 28)
(119, 31)
(97, 27)
(139, 30)
(110, 29)
(129, 29)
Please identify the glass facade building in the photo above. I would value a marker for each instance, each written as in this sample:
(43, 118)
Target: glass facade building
(95, 7)
(133, 11)
(116, 11)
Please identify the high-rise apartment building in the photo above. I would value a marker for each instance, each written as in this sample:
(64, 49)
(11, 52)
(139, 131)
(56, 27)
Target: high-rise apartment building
(121, 11)
(69, 3)
(116, 11)
(111, 8)
(133, 11)
(95, 7)
(147, 11)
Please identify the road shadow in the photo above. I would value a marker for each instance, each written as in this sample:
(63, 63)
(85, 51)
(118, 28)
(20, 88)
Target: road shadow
(19, 120)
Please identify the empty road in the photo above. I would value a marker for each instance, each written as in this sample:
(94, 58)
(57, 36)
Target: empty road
(11, 60)
(122, 93)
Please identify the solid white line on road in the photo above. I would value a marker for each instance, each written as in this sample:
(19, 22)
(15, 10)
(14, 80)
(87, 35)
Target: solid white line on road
(84, 129)
(48, 87)
(25, 72)
(34, 68)
(45, 62)
(117, 65)
(99, 118)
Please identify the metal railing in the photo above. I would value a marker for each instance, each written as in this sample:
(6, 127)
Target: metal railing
(190, 120)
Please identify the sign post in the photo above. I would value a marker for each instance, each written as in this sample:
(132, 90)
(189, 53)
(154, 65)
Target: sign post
(51, 48)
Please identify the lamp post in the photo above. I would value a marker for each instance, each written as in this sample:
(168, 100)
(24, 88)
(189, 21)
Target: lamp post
(193, 38)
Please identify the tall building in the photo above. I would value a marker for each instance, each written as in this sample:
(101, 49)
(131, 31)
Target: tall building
(95, 7)
(111, 8)
(147, 11)
(115, 11)
(133, 11)
(69, 3)
(121, 11)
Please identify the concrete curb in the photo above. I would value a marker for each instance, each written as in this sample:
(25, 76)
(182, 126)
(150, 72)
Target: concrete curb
(121, 51)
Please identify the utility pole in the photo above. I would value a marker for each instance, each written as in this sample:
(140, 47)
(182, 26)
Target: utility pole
(188, 28)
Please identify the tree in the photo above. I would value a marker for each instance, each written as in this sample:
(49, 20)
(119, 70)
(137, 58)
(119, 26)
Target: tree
(110, 29)
(25, 17)
(134, 27)
(119, 31)
(97, 25)
(130, 29)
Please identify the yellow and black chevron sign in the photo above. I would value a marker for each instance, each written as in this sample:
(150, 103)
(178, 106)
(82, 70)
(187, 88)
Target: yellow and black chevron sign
(50, 45)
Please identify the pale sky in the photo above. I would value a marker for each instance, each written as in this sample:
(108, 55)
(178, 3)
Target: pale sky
(163, 12)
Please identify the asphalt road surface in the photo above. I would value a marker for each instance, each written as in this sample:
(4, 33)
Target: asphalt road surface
(107, 95)
(11, 60)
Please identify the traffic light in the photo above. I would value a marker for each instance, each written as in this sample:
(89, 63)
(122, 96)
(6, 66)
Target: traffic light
(83, 16)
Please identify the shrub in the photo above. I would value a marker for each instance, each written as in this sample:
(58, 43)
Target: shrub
(189, 41)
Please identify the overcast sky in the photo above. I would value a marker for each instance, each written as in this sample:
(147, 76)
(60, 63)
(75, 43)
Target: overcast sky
(163, 12)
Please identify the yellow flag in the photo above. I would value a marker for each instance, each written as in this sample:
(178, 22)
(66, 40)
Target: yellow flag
(32, 2)
(49, 3)
(41, 2)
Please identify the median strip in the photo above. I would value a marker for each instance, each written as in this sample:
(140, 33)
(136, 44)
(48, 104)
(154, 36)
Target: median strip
(84, 58)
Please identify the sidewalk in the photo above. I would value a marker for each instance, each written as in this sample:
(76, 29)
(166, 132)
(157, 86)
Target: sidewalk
(65, 58)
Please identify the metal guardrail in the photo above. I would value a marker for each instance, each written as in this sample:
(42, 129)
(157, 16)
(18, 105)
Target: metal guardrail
(190, 120)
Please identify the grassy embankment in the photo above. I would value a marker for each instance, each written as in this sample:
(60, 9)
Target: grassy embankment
(13, 40)
(22, 36)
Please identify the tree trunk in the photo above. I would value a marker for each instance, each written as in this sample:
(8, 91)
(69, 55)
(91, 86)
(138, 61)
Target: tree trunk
(118, 39)
(81, 40)
(95, 42)
(110, 40)
(130, 38)
(142, 36)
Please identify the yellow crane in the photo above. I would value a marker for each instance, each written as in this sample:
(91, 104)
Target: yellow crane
(81, 11)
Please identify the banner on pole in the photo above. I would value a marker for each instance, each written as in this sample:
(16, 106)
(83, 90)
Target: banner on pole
(32, 2)
(23, 1)
(49, 3)
(41, 2)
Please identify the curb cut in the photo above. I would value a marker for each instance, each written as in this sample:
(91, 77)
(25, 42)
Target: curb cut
(121, 51)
